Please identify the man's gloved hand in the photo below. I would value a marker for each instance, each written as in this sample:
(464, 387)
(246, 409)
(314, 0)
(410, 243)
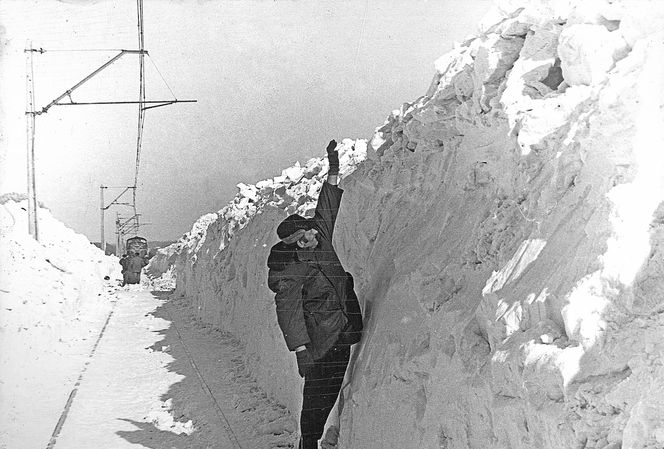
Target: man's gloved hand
(331, 146)
(305, 362)
(332, 157)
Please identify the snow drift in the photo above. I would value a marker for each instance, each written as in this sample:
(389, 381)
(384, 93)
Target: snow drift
(53, 300)
(506, 233)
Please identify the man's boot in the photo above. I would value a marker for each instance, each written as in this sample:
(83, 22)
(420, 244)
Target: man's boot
(308, 443)
(331, 438)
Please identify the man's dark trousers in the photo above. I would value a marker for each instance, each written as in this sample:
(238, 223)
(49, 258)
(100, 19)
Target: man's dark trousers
(321, 387)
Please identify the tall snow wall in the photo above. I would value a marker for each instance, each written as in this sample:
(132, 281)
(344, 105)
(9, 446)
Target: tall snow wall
(55, 295)
(506, 232)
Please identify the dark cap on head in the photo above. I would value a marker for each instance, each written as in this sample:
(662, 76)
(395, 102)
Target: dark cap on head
(291, 225)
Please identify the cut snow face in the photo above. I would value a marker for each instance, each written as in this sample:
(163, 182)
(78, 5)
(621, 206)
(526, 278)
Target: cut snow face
(505, 233)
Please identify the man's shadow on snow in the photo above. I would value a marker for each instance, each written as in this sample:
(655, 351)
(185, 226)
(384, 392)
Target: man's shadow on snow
(189, 401)
(148, 435)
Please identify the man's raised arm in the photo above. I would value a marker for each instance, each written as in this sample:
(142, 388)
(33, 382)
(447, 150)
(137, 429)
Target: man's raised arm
(333, 160)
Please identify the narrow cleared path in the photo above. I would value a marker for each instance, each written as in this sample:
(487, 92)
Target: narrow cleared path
(158, 378)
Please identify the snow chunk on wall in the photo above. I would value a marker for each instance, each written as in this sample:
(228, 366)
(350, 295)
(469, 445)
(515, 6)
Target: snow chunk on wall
(588, 52)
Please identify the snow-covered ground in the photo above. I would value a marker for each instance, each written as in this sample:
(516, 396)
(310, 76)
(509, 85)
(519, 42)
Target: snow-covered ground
(505, 233)
(160, 379)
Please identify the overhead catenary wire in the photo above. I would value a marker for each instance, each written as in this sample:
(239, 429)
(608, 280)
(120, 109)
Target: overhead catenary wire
(361, 38)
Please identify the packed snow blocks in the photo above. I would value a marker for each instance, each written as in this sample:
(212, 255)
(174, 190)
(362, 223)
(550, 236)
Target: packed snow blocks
(506, 233)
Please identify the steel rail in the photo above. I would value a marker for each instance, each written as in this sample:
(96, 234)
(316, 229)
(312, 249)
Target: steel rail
(224, 421)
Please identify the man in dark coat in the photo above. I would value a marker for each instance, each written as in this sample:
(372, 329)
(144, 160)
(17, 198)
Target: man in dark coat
(134, 267)
(124, 260)
(317, 309)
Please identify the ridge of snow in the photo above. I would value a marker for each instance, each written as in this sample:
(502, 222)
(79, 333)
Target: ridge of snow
(294, 191)
(505, 233)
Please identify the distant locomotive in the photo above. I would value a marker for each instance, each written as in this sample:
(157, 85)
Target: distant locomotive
(135, 258)
(137, 245)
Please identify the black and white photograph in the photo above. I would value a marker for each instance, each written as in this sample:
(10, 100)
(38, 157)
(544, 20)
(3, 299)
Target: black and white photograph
(341, 224)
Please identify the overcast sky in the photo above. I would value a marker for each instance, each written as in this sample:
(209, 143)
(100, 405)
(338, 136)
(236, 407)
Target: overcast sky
(274, 80)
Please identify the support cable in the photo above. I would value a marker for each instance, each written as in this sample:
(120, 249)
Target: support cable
(162, 77)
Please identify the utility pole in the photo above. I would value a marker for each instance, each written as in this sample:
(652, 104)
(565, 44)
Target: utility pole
(141, 99)
(118, 249)
(115, 202)
(122, 228)
(30, 116)
(101, 208)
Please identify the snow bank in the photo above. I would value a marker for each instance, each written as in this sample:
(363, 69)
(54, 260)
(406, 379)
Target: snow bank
(53, 301)
(506, 236)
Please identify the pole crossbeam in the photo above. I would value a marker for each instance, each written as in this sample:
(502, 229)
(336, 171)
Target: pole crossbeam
(157, 102)
(117, 197)
(68, 92)
(127, 222)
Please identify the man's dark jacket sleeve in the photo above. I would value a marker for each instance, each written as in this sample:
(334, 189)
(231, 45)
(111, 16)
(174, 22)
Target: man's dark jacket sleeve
(327, 209)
